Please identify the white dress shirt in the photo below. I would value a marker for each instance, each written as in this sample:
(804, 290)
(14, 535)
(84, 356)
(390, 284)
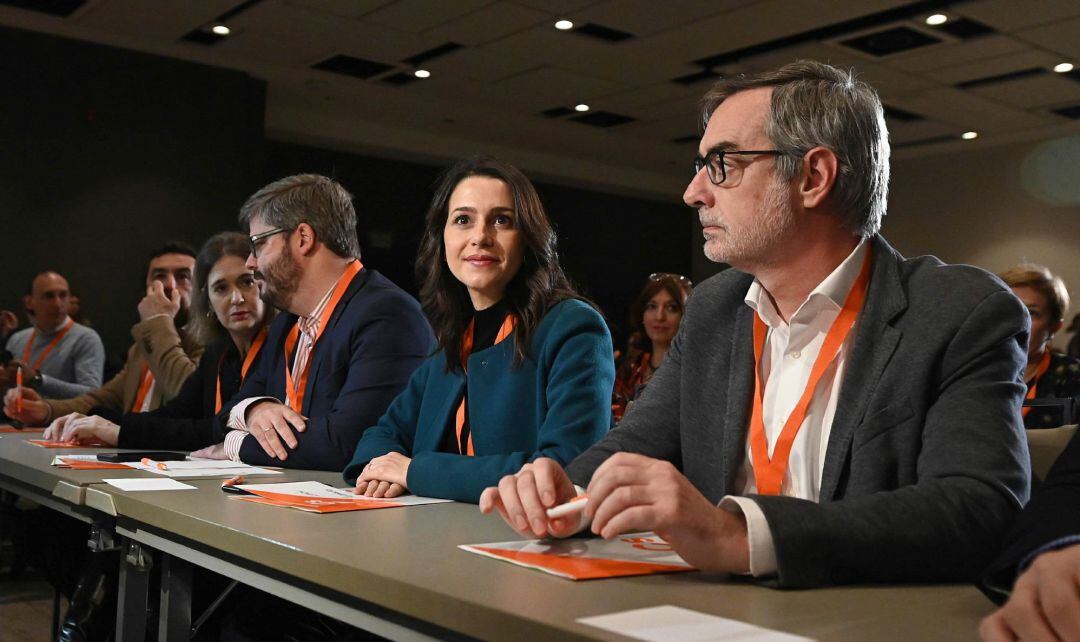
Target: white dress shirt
(790, 351)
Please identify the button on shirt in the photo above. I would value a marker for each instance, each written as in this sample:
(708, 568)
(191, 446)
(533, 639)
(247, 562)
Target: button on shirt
(305, 344)
(790, 351)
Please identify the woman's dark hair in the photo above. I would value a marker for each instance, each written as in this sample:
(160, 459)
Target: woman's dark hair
(677, 286)
(204, 325)
(539, 284)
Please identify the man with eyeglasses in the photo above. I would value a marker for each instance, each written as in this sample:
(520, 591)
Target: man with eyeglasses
(346, 345)
(158, 363)
(829, 412)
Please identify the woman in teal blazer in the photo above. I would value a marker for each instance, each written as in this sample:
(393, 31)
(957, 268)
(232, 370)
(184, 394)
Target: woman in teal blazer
(524, 367)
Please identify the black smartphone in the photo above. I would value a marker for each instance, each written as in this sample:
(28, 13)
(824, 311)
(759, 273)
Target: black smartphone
(139, 455)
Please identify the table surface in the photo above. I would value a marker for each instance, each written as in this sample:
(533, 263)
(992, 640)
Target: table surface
(407, 560)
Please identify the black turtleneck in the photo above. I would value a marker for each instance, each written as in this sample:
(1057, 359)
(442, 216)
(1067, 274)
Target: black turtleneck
(486, 324)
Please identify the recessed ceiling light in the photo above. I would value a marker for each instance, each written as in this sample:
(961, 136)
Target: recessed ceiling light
(969, 135)
(937, 19)
(581, 107)
(422, 73)
(1063, 68)
(221, 30)
(564, 25)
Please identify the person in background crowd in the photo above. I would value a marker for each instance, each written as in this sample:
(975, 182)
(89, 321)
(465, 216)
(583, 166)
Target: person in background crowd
(524, 366)
(1039, 568)
(1073, 349)
(654, 319)
(158, 363)
(229, 317)
(1048, 374)
(59, 357)
(9, 322)
(344, 347)
(830, 411)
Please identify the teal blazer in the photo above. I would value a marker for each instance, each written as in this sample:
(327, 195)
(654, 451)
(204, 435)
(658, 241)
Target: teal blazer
(556, 404)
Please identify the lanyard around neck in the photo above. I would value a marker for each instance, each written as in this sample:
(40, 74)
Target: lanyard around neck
(505, 330)
(1044, 365)
(252, 352)
(49, 348)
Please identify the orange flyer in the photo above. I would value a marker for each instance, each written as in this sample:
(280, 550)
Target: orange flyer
(87, 464)
(45, 443)
(12, 429)
(589, 559)
(316, 497)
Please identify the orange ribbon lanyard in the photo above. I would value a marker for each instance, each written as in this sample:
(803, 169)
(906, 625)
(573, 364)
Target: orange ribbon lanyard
(1044, 365)
(253, 351)
(505, 330)
(49, 348)
(294, 388)
(147, 379)
(769, 473)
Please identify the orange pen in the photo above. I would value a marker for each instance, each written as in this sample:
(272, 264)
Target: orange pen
(18, 391)
(160, 465)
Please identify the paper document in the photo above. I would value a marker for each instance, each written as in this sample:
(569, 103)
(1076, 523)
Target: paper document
(155, 483)
(317, 497)
(13, 429)
(45, 443)
(85, 462)
(675, 624)
(588, 559)
(202, 468)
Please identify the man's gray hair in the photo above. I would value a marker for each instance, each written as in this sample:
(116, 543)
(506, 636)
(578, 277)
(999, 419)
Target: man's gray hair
(817, 105)
(316, 200)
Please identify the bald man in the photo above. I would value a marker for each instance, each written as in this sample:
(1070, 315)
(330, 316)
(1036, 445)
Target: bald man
(60, 358)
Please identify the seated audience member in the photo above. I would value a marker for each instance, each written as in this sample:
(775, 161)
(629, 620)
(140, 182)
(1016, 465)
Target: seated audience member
(344, 347)
(1040, 564)
(158, 363)
(1048, 374)
(830, 411)
(524, 367)
(59, 357)
(1073, 349)
(230, 319)
(654, 320)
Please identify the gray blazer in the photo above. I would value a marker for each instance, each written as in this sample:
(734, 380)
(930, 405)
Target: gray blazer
(927, 462)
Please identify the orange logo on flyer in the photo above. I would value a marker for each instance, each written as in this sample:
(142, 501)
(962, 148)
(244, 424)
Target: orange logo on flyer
(648, 543)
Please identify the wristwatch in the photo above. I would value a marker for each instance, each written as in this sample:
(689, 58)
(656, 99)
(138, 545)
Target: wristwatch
(35, 381)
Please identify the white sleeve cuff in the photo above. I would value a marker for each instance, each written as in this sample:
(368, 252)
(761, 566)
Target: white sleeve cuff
(758, 534)
(238, 414)
(233, 441)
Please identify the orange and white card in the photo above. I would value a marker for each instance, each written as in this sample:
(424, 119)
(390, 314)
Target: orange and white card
(316, 497)
(12, 429)
(85, 462)
(45, 443)
(589, 559)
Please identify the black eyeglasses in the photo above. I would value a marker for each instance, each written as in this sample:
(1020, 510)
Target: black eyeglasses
(714, 162)
(257, 240)
(659, 276)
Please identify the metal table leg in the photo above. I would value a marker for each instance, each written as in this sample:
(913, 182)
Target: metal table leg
(174, 611)
(135, 568)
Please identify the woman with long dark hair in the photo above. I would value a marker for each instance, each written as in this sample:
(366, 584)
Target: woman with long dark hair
(524, 366)
(654, 319)
(229, 317)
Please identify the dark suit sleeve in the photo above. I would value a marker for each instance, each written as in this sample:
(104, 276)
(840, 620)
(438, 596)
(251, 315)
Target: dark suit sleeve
(972, 476)
(389, 341)
(652, 425)
(580, 375)
(1052, 514)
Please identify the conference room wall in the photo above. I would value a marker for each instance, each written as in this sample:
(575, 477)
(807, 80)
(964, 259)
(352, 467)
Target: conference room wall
(608, 244)
(108, 152)
(993, 207)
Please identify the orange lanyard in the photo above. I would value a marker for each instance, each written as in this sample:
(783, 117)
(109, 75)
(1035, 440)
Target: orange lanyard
(769, 473)
(49, 348)
(294, 388)
(147, 379)
(505, 329)
(1044, 365)
(252, 352)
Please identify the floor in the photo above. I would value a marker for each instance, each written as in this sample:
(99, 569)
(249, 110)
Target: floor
(25, 605)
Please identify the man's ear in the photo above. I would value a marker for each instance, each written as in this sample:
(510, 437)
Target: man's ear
(305, 239)
(26, 301)
(818, 176)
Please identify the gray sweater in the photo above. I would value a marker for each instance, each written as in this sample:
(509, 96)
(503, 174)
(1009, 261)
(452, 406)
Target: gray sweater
(74, 366)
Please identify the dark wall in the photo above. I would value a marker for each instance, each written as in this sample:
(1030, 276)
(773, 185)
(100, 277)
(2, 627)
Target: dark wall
(608, 244)
(107, 152)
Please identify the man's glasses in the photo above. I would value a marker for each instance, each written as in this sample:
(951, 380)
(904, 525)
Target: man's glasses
(257, 240)
(713, 162)
(660, 276)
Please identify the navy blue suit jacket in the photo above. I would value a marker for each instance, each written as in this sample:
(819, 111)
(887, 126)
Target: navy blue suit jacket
(373, 341)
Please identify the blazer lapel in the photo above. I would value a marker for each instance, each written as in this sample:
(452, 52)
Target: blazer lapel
(319, 352)
(874, 343)
(740, 395)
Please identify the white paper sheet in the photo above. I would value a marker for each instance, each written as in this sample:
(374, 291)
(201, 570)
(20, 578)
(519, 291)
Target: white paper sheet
(675, 624)
(203, 468)
(148, 484)
(324, 491)
(56, 460)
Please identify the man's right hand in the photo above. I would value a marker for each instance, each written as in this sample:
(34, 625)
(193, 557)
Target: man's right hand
(523, 499)
(156, 302)
(270, 423)
(34, 409)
